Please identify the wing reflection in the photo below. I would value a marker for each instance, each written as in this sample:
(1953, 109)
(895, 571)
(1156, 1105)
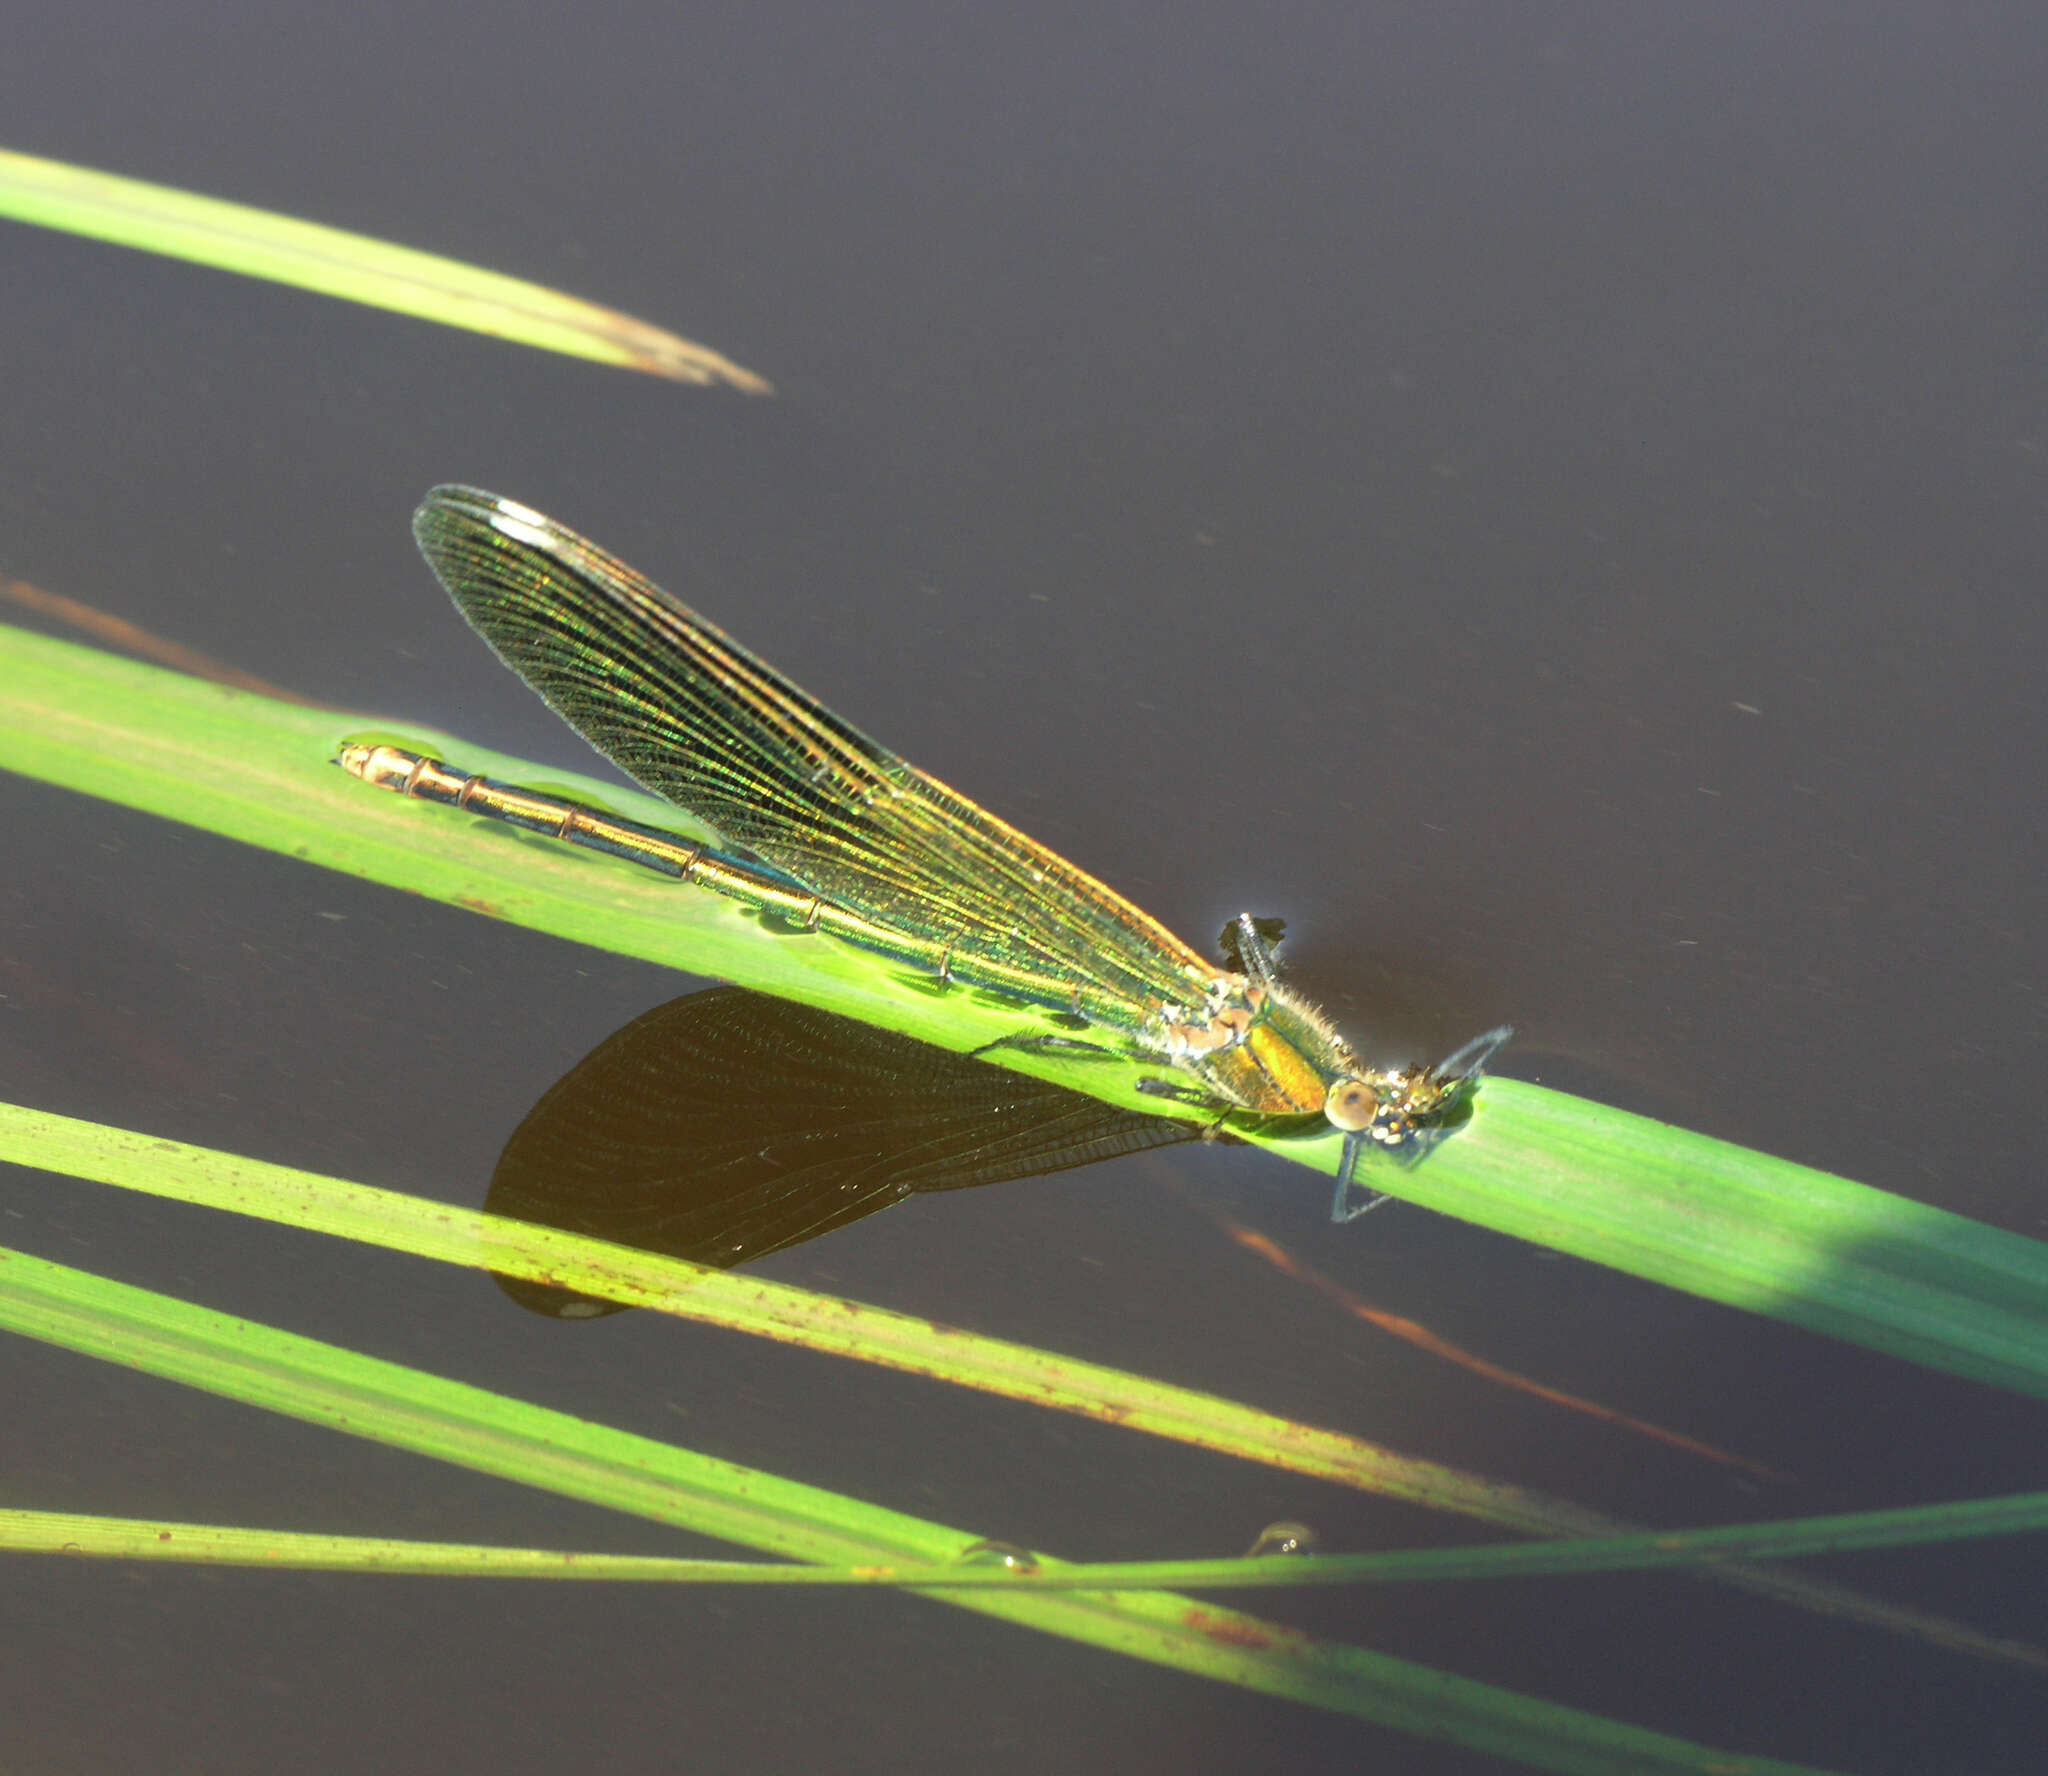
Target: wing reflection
(726, 1125)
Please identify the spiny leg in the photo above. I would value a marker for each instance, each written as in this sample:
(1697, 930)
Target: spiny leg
(1341, 1208)
(1046, 1043)
(1470, 1061)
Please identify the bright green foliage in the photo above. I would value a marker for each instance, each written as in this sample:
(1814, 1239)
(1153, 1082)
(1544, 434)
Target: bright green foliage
(354, 267)
(1677, 1208)
(451, 1421)
(128, 1538)
(1664, 1204)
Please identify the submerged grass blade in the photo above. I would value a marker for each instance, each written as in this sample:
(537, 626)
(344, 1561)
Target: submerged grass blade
(116, 632)
(355, 267)
(1678, 1208)
(1413, 1332)
(451, 1421)
(130, 1538)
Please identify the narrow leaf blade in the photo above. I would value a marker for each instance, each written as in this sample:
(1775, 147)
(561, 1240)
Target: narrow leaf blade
(355, 267)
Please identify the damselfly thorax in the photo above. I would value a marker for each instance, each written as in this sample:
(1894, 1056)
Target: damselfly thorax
(822, 827)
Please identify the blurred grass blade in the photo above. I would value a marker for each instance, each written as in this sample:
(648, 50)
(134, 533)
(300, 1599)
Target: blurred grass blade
(1659, 1202)
(855, 1329)
(355, 267)
(473, 1428)
(129, 1538)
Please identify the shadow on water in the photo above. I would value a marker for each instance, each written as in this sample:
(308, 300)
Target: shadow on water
(726, 1125)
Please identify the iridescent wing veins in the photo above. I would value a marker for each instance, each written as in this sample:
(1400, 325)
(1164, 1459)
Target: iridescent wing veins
(695, 718)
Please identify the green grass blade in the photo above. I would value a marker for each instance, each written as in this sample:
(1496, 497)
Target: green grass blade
(451, 1421)
(131, 1538)
(355, 267)
(253, 769)
(839, 1327)
(1750, 1230)
(784, 1312)
(1703, 1215)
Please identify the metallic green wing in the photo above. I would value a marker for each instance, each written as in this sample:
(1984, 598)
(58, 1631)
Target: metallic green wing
(696, 718)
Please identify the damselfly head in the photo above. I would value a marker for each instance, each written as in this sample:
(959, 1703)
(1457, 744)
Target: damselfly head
(1391, 1107)
(1351, 1105)
(1405, 1112)
(1386, 1108)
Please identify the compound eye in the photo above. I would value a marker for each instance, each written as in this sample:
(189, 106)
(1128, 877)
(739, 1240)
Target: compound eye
(1351, 1105)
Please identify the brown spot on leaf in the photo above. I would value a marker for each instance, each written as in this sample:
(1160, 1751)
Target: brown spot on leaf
(1232, 1630)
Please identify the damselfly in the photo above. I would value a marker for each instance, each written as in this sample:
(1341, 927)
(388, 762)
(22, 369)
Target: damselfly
(824, 828)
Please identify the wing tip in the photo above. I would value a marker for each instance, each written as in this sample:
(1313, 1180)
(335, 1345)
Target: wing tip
(453, 506)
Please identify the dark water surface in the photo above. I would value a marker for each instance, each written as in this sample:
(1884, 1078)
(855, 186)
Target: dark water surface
(1550, 500)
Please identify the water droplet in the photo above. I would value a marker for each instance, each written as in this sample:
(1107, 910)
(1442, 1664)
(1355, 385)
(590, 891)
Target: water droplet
(1284, 1538)
(993, 1553)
